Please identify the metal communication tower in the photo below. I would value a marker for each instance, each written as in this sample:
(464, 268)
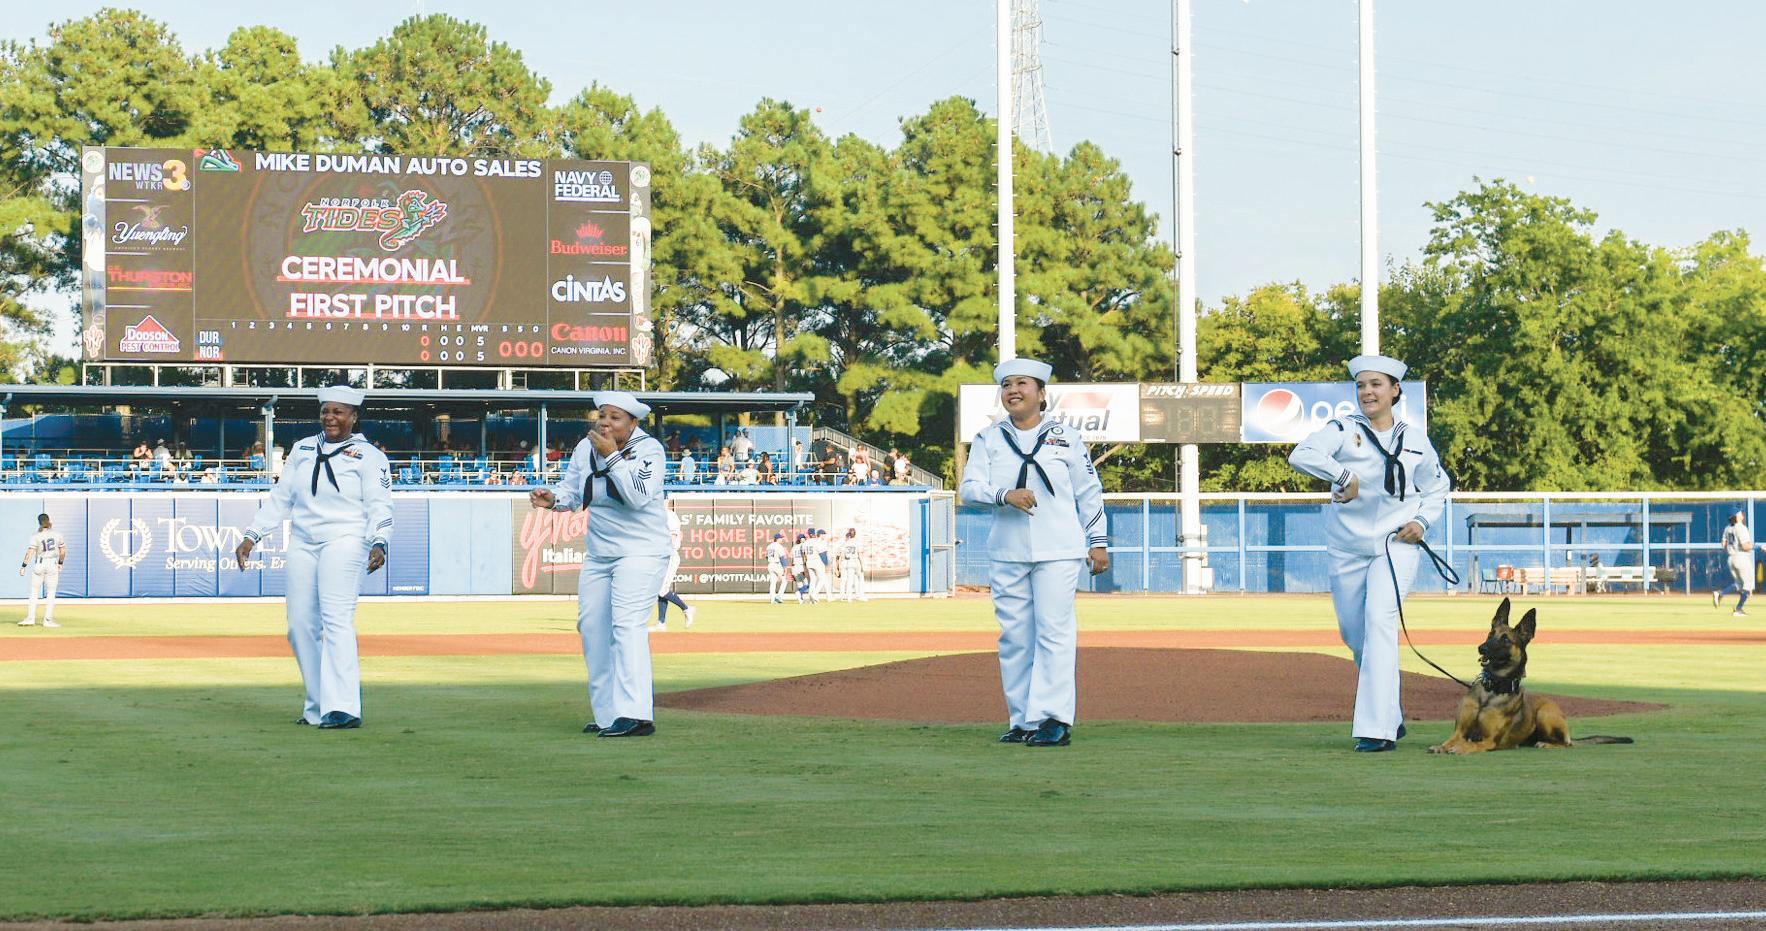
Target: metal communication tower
(1030, 107)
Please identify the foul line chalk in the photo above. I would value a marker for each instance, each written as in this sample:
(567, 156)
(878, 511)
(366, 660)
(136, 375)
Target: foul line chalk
(1478, 921)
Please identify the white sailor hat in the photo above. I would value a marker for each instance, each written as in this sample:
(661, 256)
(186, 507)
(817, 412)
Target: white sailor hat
(341, 394)
(1385, 365)
(1037, 370)
(624, 401)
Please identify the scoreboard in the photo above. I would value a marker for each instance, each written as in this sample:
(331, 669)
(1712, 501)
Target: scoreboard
(230, 256)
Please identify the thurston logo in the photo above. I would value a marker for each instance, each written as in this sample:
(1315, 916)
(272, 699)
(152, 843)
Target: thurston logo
(595, 187)
(591, 240)
(397, 224)
(147, 336)
(147, 279)
(125, 547)
(215, 160)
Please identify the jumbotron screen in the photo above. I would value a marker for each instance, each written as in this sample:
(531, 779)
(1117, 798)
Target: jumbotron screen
(229, 256)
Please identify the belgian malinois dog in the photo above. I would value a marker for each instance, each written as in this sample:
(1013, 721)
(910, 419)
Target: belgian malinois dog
(1497, 714)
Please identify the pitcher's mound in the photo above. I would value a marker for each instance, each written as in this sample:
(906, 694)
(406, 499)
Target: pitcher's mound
(1114, 685)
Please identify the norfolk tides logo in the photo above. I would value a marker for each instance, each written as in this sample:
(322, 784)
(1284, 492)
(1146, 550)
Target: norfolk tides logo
(215, 160)
(125, 547)
(397, 223)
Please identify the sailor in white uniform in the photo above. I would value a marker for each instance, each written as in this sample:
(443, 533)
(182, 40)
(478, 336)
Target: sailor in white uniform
(1048, 524)
(777, 557)
(617, 472)
(44, 557)
(1386, 481)
(335, 495)
(852, 567)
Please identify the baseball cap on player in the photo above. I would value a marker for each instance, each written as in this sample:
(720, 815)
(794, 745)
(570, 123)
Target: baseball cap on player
(341, 394)
(1385, 365)
(1037, 370)
(624, 401)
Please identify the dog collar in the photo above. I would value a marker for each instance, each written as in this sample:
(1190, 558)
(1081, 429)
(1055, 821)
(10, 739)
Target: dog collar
(1502, 686)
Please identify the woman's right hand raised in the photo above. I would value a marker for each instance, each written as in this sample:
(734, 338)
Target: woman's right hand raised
(542, 498)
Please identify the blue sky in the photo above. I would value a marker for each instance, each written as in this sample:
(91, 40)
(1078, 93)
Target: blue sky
(1652, 114)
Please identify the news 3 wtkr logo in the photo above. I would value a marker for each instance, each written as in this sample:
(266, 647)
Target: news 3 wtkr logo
(169, 175)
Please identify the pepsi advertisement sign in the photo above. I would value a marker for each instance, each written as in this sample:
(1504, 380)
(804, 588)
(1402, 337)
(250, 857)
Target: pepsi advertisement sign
(1287, 411)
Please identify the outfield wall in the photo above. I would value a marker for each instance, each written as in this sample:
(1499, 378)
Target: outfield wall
(1258, 543)
(181, 543)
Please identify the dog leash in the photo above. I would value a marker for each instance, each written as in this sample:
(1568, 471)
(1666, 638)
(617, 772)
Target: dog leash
(1443, 569)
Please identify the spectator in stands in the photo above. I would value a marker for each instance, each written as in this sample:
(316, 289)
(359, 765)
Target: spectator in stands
(554, 452)
(904, 470)
(181, 463)
(726, 462)
(765, 470)
(861, 467)
(742, 447)
(141, 457)
(748, 474)
(276, 456)
(674, 445)
(799, 459)
(831, 468)
(162, 457)
(689, 470)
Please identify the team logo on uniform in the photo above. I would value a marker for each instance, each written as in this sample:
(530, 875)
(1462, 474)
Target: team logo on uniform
(132, 552)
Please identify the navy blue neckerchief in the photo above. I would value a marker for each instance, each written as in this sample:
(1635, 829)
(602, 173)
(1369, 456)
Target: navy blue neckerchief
(1028, 457)
(595, 473)
(323, 458)
(1394, 468)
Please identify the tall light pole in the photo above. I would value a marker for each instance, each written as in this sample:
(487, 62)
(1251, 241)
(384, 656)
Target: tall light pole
(1008, 324)
(1183, 195)
(1370, 210)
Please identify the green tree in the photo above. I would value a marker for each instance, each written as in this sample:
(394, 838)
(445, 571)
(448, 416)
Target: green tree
(114, 78)
(439, 86)
(752, 320)
(262, 96)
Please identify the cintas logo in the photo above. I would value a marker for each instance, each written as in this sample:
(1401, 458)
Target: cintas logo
(148, 336)
(591, 240)
(574, 290)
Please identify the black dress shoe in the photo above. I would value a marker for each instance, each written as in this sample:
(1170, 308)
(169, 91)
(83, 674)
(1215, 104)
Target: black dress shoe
(1374, 745)
(1052, 733)
(1016, 735)
(302, 720)
(629, 727)
(591, 728)
(338, 720)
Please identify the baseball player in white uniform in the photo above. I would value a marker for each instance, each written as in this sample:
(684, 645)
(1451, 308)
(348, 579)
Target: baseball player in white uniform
(667, 596)
(617, 472)
(335, 494)
(777, 558)
(1738, 549)
(1048, 525)
(852, 567)
(821, 588)
(44, 557)
(1386, 481)
(801, 555)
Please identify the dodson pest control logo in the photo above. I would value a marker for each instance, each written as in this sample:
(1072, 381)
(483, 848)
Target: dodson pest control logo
(131, 553)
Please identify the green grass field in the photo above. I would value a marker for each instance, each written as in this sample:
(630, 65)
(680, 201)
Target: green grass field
(181, 787)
